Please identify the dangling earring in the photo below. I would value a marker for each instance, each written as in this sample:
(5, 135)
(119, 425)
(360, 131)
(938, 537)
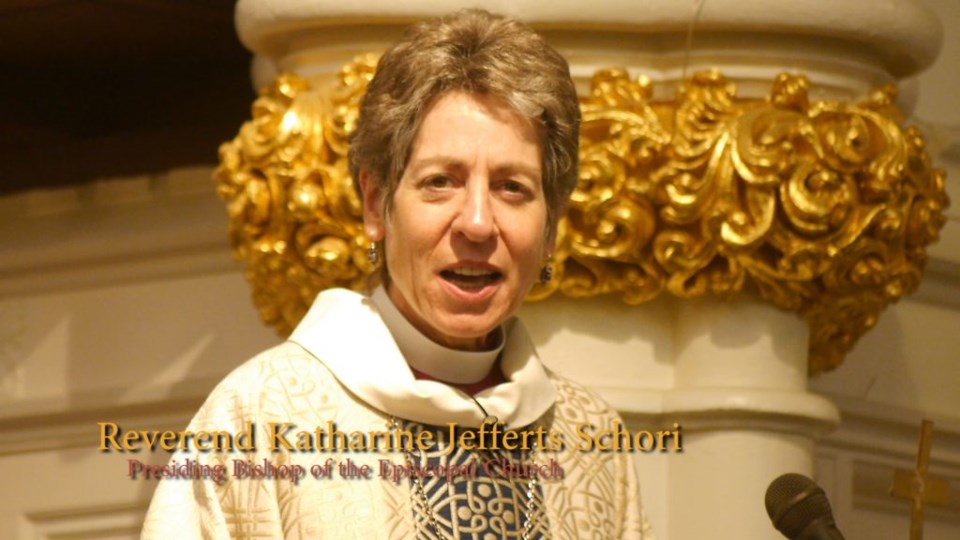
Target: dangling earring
(372, 254)
(546, 274)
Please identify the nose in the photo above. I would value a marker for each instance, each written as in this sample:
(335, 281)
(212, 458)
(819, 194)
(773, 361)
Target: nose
(475, 219)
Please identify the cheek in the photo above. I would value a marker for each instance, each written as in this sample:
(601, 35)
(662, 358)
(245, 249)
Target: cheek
(411, 237)
(530, 252)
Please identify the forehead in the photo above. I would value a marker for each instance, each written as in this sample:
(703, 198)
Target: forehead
(463, 125)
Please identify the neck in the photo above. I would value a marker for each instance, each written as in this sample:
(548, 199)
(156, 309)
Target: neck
(458, 368)
(493, 378)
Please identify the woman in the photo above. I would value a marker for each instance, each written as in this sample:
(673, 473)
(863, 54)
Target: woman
(465, 153)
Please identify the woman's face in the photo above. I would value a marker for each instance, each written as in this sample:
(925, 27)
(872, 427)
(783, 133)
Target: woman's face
(466, 235)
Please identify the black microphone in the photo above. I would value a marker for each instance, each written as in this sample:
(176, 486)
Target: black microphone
(799, 509)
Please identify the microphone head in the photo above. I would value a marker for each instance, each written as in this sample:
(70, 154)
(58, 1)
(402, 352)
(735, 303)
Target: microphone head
(795, 502)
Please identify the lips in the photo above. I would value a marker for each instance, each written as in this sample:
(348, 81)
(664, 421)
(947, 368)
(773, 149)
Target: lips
(471, 278)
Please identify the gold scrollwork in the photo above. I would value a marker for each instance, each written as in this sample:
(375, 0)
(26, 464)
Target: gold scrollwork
(295, 218)
(822, 208)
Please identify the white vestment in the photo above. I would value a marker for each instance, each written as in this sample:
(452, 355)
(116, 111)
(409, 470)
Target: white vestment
(342, 365)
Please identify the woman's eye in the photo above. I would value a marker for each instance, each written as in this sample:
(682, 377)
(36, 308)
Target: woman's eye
(513, 187)
(438, 182)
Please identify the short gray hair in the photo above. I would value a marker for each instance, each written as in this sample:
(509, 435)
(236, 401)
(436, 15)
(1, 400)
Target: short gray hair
(477, 52)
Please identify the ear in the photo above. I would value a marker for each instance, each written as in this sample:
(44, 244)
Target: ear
(373, 218)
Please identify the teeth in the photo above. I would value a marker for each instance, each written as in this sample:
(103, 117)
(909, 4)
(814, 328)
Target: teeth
(471, 272)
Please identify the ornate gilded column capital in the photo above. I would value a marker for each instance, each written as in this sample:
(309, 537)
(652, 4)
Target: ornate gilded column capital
(819, 207)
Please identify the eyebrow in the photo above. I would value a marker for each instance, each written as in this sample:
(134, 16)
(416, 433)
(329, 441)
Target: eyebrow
(448, 162)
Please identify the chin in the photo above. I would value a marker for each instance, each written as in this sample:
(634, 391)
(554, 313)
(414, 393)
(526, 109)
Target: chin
(469, 331)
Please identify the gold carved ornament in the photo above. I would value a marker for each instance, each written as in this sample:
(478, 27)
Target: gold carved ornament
(821, 208)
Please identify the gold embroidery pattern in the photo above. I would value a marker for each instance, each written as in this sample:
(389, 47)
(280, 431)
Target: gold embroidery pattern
(821, 208)
(286, 384)
(604, 481)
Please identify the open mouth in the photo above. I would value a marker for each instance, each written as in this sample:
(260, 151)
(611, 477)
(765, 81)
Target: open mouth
(471, 279)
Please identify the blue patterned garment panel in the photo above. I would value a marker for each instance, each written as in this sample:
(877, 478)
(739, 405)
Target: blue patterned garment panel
(475, 494)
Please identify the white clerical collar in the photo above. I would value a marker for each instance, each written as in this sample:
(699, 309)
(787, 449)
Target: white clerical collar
(345, 331)
(429, 357)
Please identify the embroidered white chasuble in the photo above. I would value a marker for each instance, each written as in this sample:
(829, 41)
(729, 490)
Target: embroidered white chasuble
(343, 365)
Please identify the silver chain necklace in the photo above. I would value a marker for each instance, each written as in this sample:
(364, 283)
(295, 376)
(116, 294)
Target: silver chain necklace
(410, 454)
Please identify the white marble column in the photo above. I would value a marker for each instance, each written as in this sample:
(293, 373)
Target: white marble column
(734, 375)
(740, 391)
